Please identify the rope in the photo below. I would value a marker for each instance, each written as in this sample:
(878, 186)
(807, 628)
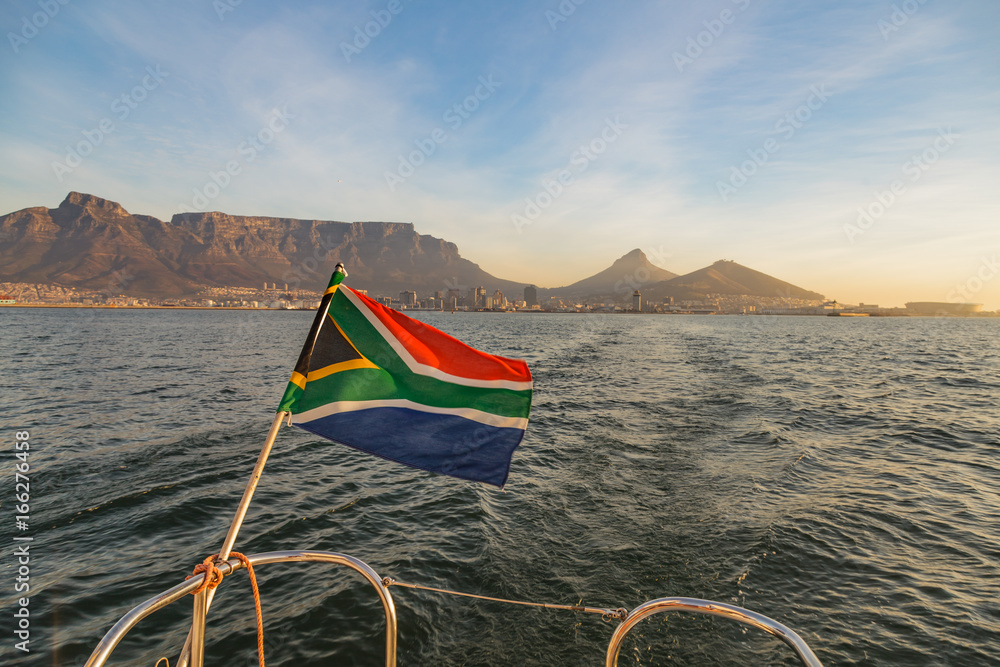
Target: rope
(608, 614)
(213, 577)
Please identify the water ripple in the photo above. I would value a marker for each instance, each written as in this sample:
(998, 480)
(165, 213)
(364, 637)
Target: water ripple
(840, 477)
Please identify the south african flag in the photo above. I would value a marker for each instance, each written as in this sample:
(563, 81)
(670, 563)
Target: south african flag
(373, 379)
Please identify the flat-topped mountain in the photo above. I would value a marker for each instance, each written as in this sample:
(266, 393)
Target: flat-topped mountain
(92, 243)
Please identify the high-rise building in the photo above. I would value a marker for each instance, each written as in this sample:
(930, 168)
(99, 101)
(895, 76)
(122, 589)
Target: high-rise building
(480, 297)
(407, 299)
(531, 296)
(498, 300)
(637, 301)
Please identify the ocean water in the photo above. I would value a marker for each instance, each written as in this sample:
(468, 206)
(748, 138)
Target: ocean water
(841, 475)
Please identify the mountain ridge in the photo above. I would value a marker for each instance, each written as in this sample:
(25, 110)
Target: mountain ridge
(617, 281)
(88, 242)
(728, 277)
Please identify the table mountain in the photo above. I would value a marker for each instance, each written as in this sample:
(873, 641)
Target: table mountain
(92, 243)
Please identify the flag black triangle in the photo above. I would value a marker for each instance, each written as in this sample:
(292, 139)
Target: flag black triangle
(331, 347)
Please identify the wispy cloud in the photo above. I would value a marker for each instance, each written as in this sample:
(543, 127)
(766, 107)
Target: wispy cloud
(558, 84)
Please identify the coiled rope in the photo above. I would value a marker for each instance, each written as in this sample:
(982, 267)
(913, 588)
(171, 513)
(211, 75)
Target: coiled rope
(213, 577)
(607, 614)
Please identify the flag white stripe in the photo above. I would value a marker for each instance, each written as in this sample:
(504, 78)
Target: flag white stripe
(354, 406)
(424, 369)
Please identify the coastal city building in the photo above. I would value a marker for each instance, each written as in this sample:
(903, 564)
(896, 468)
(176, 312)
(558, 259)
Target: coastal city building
(13, 294)
(530, 296)
(407, 299)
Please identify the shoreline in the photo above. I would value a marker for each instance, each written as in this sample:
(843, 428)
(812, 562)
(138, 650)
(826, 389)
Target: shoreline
(102, 307)
(986, 315)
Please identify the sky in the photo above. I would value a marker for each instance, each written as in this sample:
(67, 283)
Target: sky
(849, 147)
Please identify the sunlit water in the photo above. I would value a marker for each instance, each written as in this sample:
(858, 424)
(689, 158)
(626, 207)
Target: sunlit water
(839, 475)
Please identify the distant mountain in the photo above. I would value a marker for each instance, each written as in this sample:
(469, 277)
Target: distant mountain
(95, 244)
(635, 271)
(92, 243)
(726, 277)
(617, 281)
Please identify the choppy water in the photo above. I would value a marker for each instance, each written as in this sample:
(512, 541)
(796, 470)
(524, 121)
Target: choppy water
(839, 475)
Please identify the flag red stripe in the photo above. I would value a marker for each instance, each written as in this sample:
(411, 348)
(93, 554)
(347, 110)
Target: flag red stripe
(435, 348)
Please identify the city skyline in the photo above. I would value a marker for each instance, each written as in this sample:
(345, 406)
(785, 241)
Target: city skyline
(849, 148)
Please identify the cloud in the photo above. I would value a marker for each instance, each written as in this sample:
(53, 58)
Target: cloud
(559, 85)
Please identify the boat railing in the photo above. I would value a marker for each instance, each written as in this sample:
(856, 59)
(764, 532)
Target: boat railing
(110, 640)
(727, 611)
(628, 619)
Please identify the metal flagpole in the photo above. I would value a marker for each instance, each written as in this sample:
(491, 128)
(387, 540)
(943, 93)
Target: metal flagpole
(241, 512)
(302, 369)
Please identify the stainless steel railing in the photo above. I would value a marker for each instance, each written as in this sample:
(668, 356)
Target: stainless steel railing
(129, 620)
(727, 611)
(661, 605)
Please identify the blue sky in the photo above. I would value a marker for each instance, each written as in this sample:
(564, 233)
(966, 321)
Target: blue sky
(849, 147)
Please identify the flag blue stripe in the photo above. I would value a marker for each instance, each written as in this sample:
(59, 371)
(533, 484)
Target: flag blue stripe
(441, 443)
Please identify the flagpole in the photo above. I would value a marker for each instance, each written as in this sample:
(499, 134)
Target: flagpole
(241, 512)
(301, 370)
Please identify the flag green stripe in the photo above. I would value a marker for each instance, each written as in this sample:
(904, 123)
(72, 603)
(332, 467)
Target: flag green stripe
(290, 399)
(364, 384)
(394, 379)
(365, 337)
